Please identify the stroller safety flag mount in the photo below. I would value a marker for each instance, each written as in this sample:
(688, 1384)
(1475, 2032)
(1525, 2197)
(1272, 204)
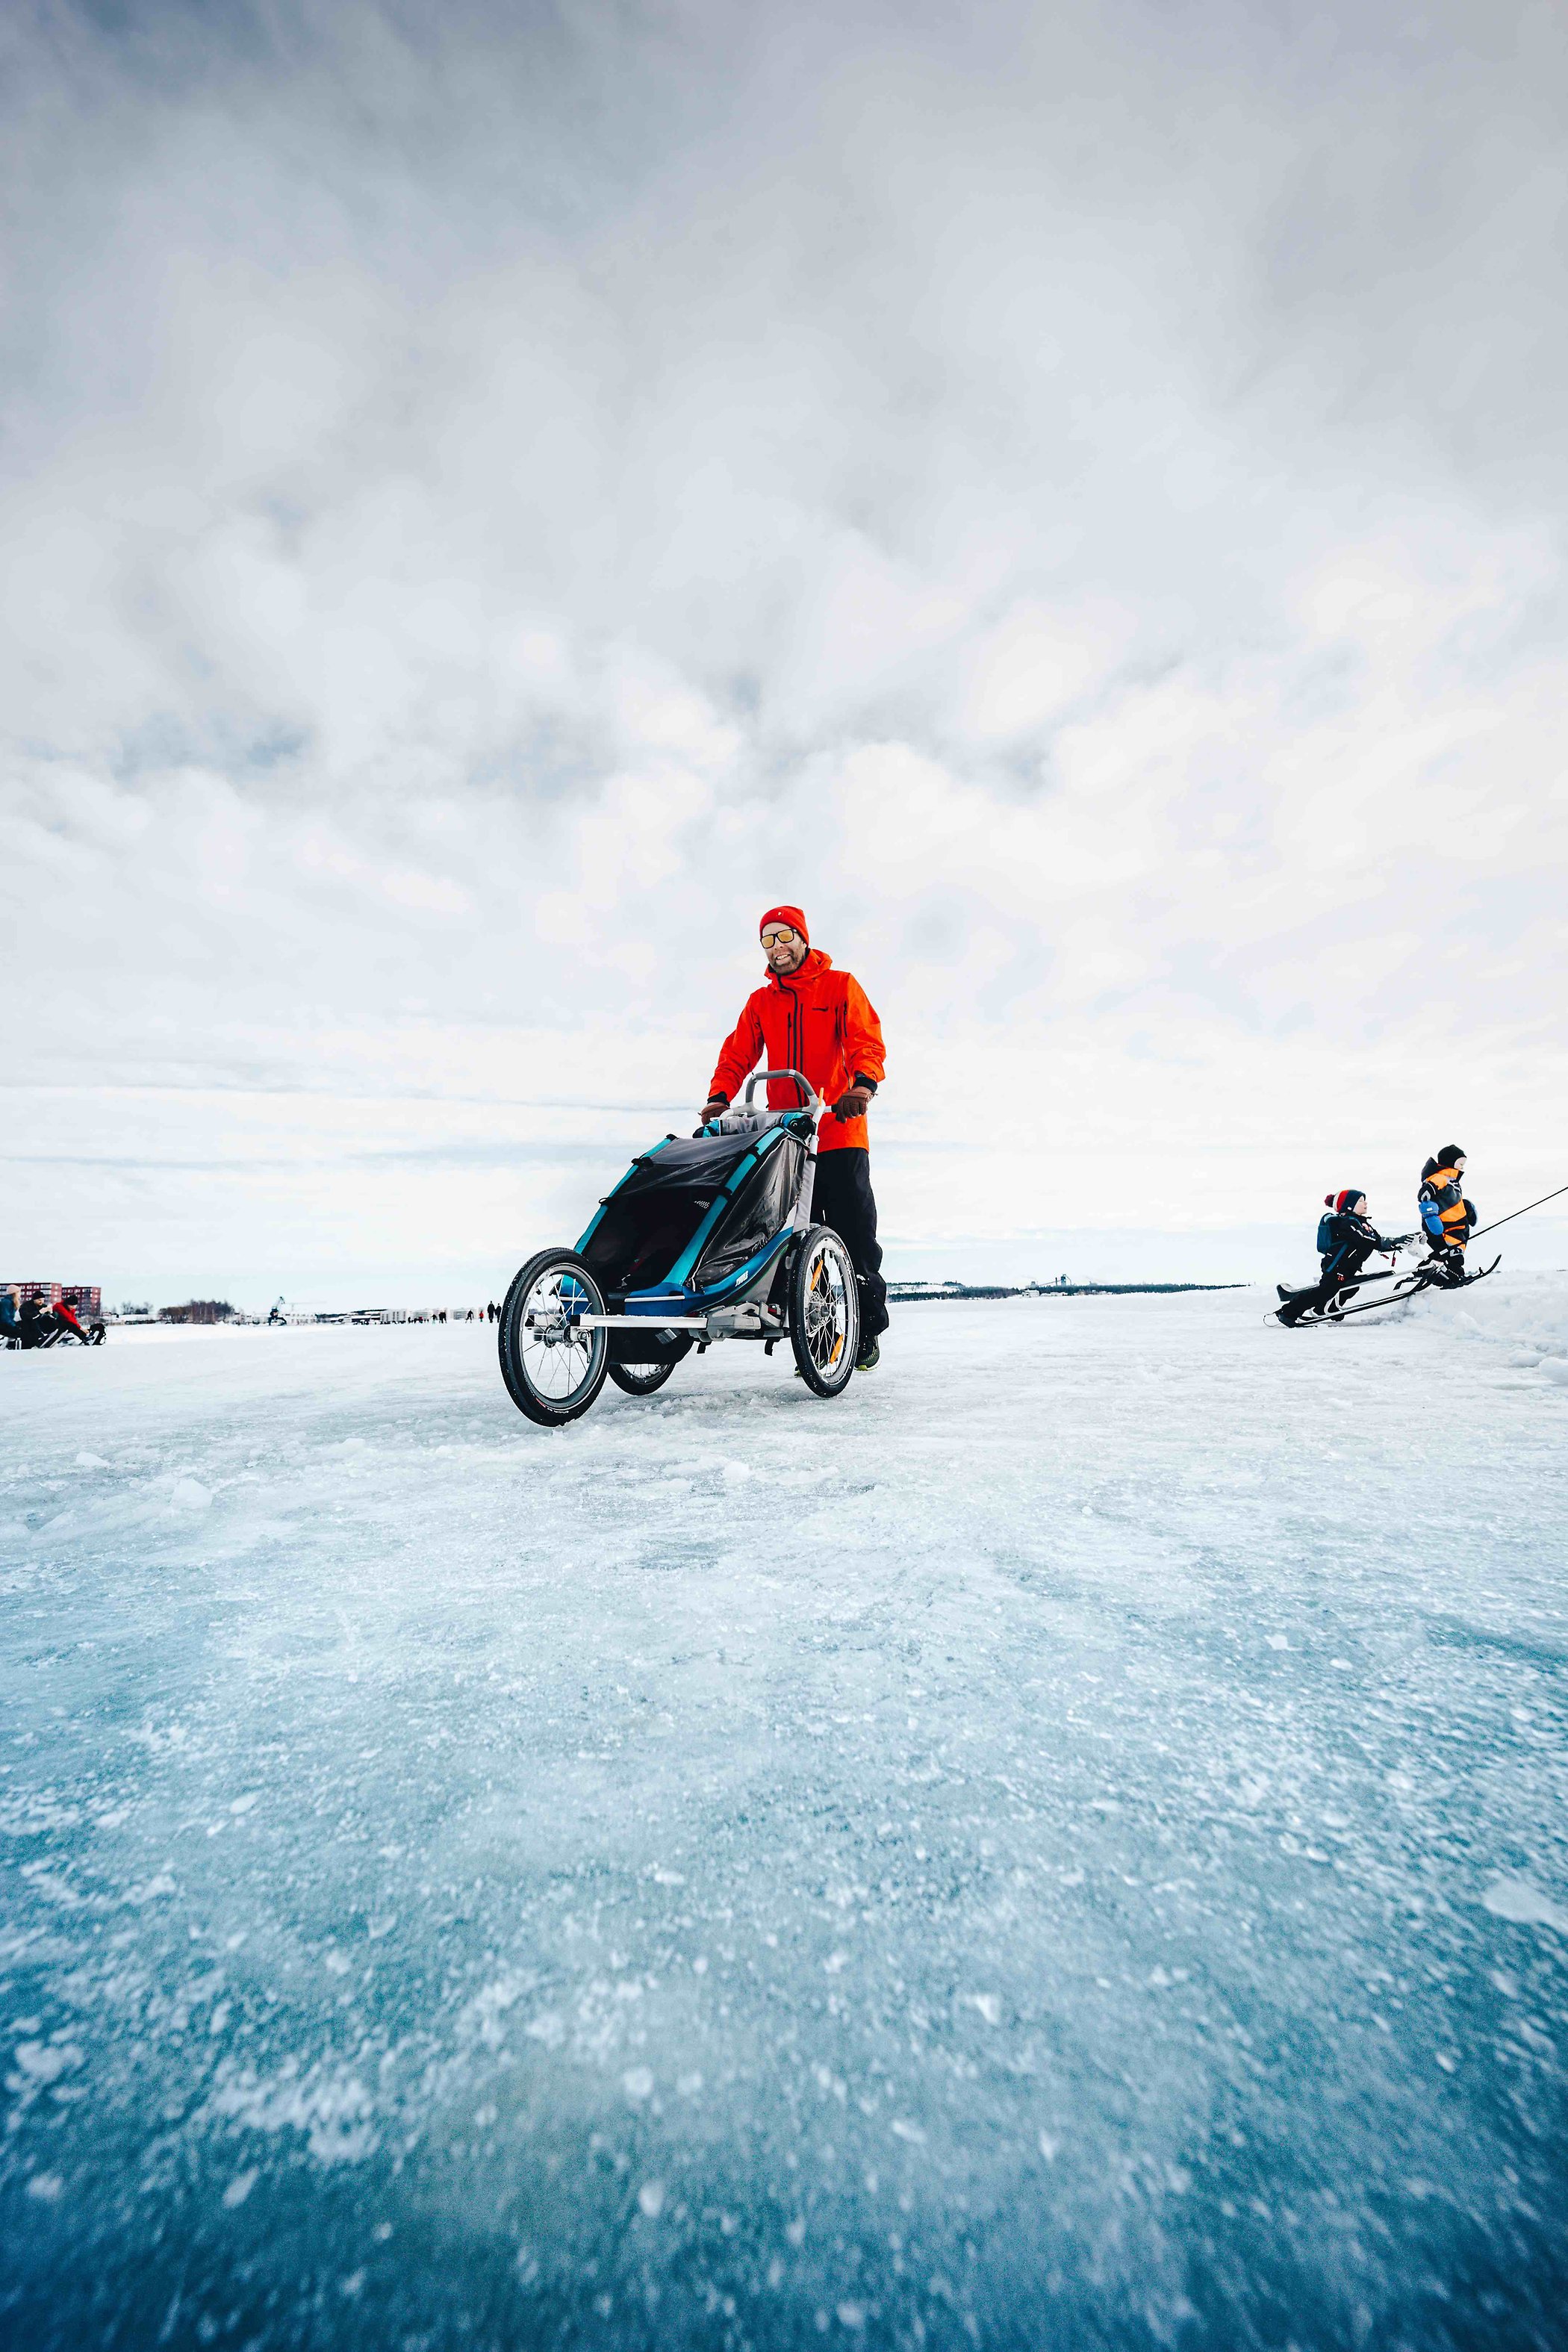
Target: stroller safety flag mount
(706, 1237)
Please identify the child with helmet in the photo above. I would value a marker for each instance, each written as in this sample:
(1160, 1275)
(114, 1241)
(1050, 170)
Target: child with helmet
(1447, 1218)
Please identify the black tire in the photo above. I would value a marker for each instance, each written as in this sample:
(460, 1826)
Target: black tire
(550, 1392)
(640, 1380)
(95, 1334)
(824, 1311)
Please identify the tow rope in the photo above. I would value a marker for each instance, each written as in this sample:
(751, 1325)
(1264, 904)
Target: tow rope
(1519, 1212)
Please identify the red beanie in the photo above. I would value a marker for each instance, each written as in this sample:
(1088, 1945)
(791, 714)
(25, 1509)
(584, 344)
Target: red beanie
(790, 915)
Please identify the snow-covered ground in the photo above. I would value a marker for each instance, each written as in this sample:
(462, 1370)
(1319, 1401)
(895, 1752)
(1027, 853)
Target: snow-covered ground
(1065, 1846)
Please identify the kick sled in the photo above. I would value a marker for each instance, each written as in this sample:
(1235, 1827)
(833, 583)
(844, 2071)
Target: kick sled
(43, 1325)
(704, 1238)
(1346, 1300)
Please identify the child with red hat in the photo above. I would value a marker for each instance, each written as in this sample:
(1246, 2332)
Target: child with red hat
(1347, 1238)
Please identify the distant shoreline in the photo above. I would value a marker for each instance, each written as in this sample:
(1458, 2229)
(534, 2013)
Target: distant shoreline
(910, 1293)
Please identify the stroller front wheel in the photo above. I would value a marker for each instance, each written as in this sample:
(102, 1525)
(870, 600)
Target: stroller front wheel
(553, 1369)
(824, 1312)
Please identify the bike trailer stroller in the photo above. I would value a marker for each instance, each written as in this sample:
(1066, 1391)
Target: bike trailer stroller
(708, 1237)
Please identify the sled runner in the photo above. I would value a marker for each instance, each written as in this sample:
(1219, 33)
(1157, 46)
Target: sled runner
(708, 1237)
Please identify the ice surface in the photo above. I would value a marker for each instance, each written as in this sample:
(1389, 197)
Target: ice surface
(1064, 1846)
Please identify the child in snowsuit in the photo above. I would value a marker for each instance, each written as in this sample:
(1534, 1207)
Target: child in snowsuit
(1347, 1238)
(1447, 1218)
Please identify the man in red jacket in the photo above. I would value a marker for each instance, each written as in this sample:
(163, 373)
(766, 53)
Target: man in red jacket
(808, 1017)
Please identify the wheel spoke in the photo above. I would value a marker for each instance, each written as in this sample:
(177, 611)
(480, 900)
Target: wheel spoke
(827, 1310)
(556, 1357)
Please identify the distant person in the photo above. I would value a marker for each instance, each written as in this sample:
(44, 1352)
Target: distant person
(808, 1017)
(1447, 1218)
(10, 1320)
(1347, 1238)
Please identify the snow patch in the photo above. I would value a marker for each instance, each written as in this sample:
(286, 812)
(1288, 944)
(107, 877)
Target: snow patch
(332, 2109)
(41, 2063)
(1524, 1314)
(1516, 1899)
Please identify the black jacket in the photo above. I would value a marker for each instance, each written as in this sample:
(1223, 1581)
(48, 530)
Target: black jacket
(1354, 1239)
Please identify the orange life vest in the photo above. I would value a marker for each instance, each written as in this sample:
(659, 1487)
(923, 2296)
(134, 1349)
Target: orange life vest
(1446, 1193)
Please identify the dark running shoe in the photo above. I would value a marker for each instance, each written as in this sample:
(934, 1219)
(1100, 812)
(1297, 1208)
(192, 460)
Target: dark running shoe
(871, 1356)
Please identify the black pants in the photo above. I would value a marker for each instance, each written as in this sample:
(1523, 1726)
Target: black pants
(1346, 1267)
(842, 1198)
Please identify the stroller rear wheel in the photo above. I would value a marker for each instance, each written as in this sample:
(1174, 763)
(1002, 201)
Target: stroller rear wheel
(553, 1369)
(824, 1311)
(640, 1380)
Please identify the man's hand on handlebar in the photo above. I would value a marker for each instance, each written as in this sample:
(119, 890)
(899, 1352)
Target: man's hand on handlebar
(713, 1106)
(853, 1103)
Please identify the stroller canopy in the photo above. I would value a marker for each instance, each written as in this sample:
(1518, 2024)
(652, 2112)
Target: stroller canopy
(729, 1194)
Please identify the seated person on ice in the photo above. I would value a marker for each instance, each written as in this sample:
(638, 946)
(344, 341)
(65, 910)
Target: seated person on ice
(810, 1018)
(1449, 1218)
(1347, 1238)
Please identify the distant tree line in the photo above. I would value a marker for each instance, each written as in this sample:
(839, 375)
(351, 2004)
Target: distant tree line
(198, 1310)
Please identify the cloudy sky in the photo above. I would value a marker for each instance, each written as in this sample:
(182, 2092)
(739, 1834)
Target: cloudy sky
(492, 497)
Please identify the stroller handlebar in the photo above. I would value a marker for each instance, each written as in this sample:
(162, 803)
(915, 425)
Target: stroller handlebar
(748, 1116)
(813, 1101)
